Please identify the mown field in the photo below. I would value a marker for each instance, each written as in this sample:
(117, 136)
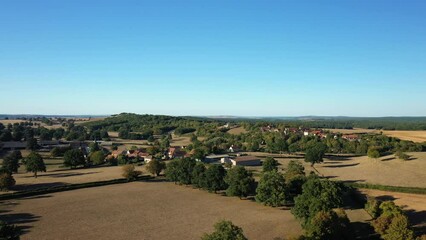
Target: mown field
(415, 136)
(142, 210)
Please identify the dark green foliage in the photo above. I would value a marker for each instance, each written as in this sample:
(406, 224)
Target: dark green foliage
(122, 159)
(32, 144)
(34, 163)
(11, 162)
(272, 189)
(225, 230)
(185, 170)
(269, 164)
(315, 153)
(94, 146)
(59, 151)
(74, 158)
(155, 167)
(8, 231)
(240, 182)
(215, 178)
(198, 175)
(295, 177)
(172, 171)
(317, 195)
(6, 181)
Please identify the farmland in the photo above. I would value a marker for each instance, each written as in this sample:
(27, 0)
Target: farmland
(143, 210)
(415, 135)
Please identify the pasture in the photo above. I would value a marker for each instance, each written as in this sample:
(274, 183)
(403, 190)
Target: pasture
(415, 136)
(142, 210)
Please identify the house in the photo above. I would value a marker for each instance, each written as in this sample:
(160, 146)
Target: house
(175, 152)
(246, 161)
(148, 158)
(116, 153)
(234, 148)
(225, 160)
(350, 137)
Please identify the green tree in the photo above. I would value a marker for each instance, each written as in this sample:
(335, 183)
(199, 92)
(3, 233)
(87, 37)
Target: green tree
(373, 153)
(172, 171)
(295, 177)
(225, 230)
(398, 229)
(186, 167)
(74, 158)
(130, 173)
(32, 144)
(317, 195)
(34, 163)
(155, 167)
(11, 162)
(240, 182)
(199, 175)
(315, 153)
(402, 155)
(8, 231)
(6, 181)
(272, 190)
(94, 146)
(97, 158)
(215, 178)
(269, 164)
(372, 206)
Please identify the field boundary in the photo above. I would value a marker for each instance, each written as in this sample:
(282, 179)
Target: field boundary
(414, 190)
(67, 187)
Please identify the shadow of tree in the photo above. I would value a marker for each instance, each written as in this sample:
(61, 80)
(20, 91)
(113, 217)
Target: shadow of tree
(417, 220)
(26, 187)
(341, 166)
(21, 220)
(61, 175)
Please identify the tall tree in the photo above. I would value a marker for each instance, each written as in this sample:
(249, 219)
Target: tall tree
(199, 175)
(240, 182)
(272, 190)
(315, 153)
(34, 163)
(74, 158)
(11, 162)
(155, 167)
(215, 178)
(269, 164)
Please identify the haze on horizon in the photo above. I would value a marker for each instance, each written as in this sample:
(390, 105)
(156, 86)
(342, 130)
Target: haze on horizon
(209, 58)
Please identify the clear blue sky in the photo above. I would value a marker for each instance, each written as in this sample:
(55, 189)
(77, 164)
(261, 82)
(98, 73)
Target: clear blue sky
(249, 58)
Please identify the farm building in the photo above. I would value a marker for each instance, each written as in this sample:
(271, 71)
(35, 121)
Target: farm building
(246, 161)
(215, 158)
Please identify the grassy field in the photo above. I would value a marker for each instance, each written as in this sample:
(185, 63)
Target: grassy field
(237, 130)
(142, 210)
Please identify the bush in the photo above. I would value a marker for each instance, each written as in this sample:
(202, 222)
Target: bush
(269, 164)
(6, 181)
(225, 230)
(130, 173)
(8, 231)
(97, 158)
(373, 207)
(402, 155)
(155, 167)
(373, 153)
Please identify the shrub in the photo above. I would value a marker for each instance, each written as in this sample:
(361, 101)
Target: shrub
(402, 155)
(130, 173)
(8, 231)
(225, 230)
(398, 229)
(269, 164)
(155, 167)
(6, 181)
(373, 153)
(373, 207)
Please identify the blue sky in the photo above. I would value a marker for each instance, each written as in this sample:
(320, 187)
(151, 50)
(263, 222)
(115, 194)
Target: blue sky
(248, 58)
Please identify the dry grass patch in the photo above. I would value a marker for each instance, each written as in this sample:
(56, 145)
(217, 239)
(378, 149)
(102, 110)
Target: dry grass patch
(237, 130)
(144, 210)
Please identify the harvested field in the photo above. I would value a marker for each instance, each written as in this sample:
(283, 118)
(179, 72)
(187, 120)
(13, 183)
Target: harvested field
(56, 176)
(415, 136)
(237, 130)
(183, 140)
(142, 210)
(386, 170)
(352, 131)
